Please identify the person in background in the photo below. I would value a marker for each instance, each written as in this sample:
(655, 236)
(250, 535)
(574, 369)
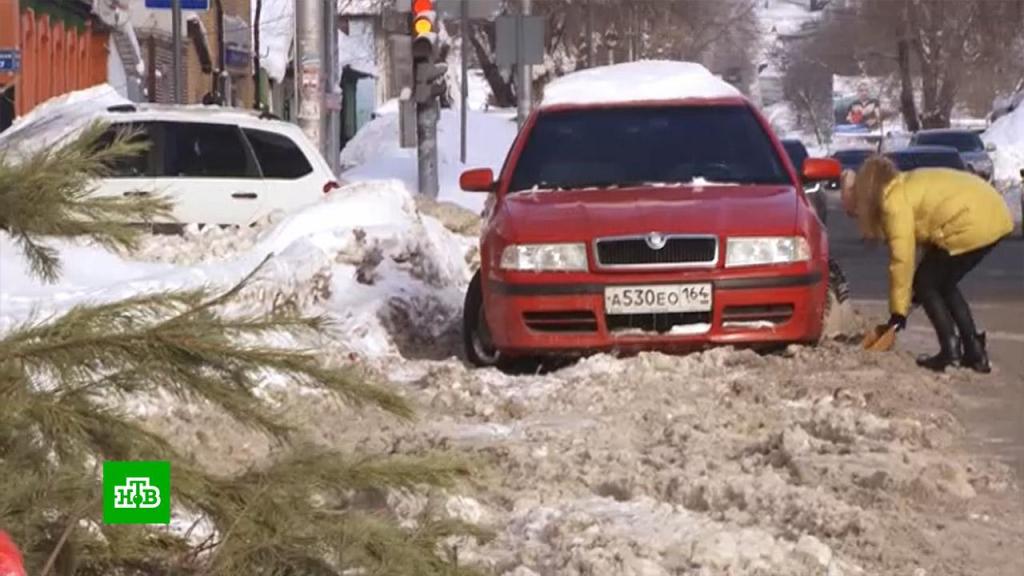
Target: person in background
(957, 218)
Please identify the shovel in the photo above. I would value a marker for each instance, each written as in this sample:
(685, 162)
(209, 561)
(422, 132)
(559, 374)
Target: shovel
(882, 338)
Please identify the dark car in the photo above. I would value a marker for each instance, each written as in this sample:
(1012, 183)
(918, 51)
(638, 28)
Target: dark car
(815, 191)
(967, 143)
(927, 157)
(852, 159)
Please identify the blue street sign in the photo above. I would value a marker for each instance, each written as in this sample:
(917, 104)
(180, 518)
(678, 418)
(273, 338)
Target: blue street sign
(185, 4)
(10, 60)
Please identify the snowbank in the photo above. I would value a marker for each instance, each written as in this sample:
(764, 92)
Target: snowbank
(374, 153)
(365, 255)
(644, 80)
(58, 117)
(1007, 134)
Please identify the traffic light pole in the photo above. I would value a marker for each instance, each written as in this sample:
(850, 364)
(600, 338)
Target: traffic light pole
(428, 78)
(427, 115)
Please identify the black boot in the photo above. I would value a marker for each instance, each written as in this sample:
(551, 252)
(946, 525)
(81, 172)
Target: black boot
(942, 321)
(975, 353)
(972, 343)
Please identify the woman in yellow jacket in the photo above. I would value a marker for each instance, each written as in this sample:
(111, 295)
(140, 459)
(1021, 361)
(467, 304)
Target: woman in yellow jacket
(957, 218)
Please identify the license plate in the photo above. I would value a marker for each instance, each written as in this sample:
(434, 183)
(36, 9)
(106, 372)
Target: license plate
(657, 299)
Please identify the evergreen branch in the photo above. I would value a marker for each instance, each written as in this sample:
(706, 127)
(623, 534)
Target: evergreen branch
(49, 193)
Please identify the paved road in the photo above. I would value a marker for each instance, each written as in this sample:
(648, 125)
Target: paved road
(994, 414)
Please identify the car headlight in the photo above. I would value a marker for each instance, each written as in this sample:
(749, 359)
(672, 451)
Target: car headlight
(769, 250)
(540, 257)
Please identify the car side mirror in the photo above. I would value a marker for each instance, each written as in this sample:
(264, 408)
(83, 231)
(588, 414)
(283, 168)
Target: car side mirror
(990, 147)
(818, 169)
(477, 180)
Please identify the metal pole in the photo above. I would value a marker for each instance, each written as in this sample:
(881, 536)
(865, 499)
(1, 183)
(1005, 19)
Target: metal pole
(331, 65)
(176, 49)
(523, 88)
(464, 13)
(309, 21)
(590, 33)
(427, 116)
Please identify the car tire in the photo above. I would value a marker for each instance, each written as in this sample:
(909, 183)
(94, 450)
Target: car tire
(476, 339)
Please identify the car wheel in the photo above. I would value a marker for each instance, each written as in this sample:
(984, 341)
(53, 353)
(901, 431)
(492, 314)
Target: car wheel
(476, 335)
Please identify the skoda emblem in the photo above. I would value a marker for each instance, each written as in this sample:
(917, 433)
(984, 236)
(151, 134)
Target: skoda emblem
(656, 241)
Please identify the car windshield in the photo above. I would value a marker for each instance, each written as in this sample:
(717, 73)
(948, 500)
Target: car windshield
(911, 160)
(962, 141)
(619, 147)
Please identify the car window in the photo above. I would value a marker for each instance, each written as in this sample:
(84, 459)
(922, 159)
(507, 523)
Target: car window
(196, 150)
(277, 155)
(137, 165)
(962, 141)
(607, 147)
(797, 153)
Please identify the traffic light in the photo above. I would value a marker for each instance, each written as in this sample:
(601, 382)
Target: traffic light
(424, 30)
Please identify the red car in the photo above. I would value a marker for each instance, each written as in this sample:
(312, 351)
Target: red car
(646, 225)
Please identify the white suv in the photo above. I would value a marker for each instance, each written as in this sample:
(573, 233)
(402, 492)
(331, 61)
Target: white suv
(218, 165)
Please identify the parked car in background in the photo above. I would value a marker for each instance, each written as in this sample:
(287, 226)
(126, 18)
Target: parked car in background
(626, 223)
(967, 142)
(218, 165)
(913, 157)
(815, 191)
(852, 158)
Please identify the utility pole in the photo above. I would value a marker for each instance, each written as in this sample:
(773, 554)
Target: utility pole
(523, 89)
(464, 57)
(176, 49)
(333, 123)
(308, 71)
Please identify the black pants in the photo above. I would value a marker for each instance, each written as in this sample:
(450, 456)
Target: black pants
(939, 273)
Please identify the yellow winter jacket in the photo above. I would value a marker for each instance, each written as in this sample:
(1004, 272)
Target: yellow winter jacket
(949, 209)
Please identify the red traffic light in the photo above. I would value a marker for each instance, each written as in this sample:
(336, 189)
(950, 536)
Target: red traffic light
(422, 6)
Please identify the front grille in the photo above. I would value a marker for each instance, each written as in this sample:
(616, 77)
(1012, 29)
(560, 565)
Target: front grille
(773, 313)
(660, 323)
(563, 321)
(677, 251)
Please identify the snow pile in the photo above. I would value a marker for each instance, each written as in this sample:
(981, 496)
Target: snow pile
(644, 80)
(374, 153)
(365, 255)
(57, 118)
(1007, 134)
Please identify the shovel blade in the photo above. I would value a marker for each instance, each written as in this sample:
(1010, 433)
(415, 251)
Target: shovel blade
(881, 338)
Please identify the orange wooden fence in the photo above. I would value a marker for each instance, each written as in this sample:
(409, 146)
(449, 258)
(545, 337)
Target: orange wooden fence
(56, 59)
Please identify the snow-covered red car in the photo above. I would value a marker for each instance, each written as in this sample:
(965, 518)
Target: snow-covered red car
(646, 206)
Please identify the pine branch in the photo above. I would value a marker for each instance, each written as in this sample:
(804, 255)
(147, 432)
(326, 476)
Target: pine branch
(49, 193)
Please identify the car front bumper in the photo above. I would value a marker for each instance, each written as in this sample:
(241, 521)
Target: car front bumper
(530, 316)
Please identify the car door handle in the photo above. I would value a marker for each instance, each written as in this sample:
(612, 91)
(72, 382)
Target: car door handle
(245, 195)
(136, 194)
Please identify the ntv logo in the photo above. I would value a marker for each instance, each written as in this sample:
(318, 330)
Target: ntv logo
(136, 493)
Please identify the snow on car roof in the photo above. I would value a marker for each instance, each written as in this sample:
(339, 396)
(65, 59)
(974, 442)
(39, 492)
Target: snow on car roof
(637, 81)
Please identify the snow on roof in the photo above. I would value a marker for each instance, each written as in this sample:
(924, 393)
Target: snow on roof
(637, 81)
(356, 52)
(57, 118)
(359, 7)
(277, 27)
